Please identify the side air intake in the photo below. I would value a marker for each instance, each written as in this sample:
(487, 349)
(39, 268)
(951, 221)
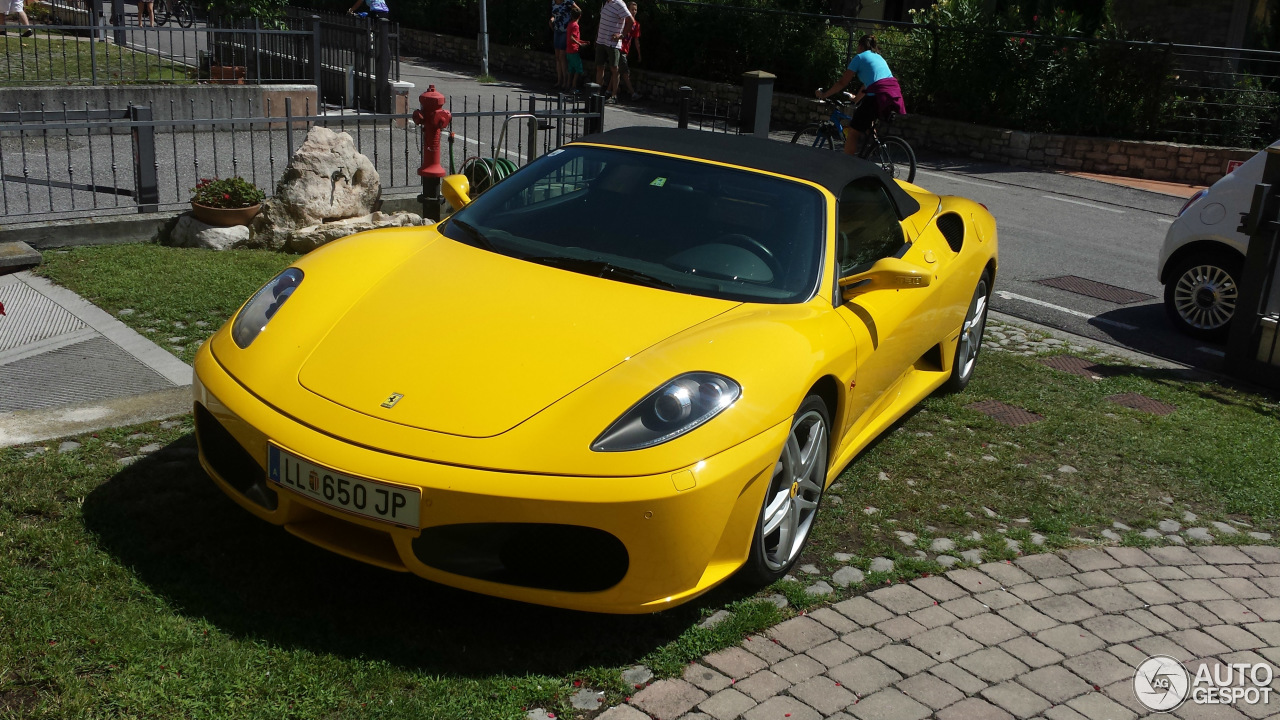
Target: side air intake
(951, 226)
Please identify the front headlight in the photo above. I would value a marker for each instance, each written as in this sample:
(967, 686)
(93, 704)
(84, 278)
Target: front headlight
(264, 304)
(672, 410)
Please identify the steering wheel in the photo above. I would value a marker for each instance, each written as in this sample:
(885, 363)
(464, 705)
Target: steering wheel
(758, 248)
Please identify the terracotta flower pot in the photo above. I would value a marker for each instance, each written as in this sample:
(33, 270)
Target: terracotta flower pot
(224, 217)
(228, 74)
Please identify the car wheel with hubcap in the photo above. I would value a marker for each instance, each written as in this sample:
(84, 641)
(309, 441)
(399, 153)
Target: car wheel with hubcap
(792, 497)
(1201, 294)
(975, 322)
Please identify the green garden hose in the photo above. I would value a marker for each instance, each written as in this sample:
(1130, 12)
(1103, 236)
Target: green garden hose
(484, 173)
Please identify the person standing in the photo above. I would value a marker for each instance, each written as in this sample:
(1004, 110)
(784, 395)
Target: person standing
(147, 10)
(880, 88)
(630, 39)
(615, 23)
(572, 43)
(14, 7)
(560, 17)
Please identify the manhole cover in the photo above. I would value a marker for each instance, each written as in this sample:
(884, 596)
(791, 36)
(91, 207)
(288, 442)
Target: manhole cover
(1073, 365)
(1007, 414)
(1095, 289)
(1136, 401)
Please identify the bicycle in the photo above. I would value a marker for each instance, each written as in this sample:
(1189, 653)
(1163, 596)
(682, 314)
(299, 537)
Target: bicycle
(890, 152)
(181, 13)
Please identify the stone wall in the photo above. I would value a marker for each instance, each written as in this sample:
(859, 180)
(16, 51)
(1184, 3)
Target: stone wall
(1191, 164)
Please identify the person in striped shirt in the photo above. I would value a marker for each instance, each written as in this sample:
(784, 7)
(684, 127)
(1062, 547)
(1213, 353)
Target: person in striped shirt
(615, 23)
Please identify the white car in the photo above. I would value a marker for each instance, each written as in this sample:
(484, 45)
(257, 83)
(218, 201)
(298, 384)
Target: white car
(1204, 253)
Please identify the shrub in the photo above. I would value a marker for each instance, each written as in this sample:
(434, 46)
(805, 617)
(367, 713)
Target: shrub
(232, 192)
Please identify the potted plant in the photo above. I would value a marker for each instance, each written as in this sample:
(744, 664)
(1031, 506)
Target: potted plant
(226, 202)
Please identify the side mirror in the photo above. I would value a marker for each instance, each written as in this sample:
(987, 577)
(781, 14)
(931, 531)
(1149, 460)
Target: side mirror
(456, 190)
(886, 274)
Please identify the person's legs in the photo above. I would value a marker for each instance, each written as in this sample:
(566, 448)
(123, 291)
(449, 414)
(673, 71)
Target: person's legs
(146, 11)
(601, 57)
(852, 141)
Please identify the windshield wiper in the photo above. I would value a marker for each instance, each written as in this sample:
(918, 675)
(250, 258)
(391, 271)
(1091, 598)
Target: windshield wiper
(474, 234)
(600, 268)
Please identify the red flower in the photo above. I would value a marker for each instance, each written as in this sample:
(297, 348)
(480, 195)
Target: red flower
(226, 196)
(1035, 18)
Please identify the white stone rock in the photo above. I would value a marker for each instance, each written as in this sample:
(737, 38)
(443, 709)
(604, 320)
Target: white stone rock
(1152, 534)
(1175, 539)
(538, 714)
(942, 545)
(189, 232)
(870, 510)
(1066, 470)
(1199, 533)
(947, 560)
(127, 461)
(1111, 535)
(1038, 540)
(640, 674)
(68, 446)
(306, 239)
(1224, 528)
(1260, 535)
(975, 536)
(1012, 544)
(1189, 517)
(989, 458)
(126, 311)
(170, 424)
(1167, 500)
(835, 500)
(884, 477)
(1121, 526)
(809, 569)
(778, 600)
(906, 538)
(846, 576)
(921, 555)
(881, 564)
(587, 699)
(34, 452)
(147, 449)
(1169, 526)
(973, 557)
(842, 557)
(820, 588)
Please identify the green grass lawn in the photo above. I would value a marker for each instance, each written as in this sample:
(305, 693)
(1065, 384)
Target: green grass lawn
(139, 590)
(64, 60)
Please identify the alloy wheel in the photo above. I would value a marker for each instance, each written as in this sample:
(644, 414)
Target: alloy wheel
(1205, 297)
(794, 492)
(975, 323)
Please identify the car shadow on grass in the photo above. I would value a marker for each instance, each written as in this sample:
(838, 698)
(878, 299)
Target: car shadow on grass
(164, 519)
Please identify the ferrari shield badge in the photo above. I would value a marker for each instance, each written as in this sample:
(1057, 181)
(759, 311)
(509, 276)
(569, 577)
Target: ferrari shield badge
(391, 401)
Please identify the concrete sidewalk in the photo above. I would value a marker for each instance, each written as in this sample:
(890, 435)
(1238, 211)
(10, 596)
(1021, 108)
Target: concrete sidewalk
(1056, 636)
(66, 366)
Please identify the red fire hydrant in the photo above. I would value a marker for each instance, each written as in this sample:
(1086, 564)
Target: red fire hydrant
(432, 118)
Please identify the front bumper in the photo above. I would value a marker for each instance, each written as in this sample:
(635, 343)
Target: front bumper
(683, 532)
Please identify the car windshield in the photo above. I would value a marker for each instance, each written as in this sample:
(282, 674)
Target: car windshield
(635, 217)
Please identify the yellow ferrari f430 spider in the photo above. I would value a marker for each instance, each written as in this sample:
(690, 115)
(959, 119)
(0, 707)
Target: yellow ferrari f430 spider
(609, 382)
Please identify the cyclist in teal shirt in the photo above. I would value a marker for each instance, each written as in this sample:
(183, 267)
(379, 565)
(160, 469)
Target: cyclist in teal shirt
(876, 78)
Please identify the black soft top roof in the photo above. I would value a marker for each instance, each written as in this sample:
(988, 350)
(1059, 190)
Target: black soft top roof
(831, 170)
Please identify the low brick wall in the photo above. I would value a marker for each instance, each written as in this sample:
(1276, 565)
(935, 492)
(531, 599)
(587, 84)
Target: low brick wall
(1191, 164)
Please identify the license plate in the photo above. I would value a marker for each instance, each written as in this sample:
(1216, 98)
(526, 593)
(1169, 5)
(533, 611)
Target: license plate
(394, 504)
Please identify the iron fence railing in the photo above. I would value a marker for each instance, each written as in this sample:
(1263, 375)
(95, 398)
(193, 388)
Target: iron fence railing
(352, 61)
(67, 163)
(710, 114)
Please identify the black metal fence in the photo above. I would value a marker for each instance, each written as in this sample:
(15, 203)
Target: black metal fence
(709, 114)
(67, 163)
(352, 61)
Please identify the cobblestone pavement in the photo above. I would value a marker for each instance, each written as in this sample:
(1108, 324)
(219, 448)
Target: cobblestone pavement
(1056, 636)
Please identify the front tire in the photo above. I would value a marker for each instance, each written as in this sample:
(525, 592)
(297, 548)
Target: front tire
(1201, 295)
(975, 323)
(791, 500)
(812, 136)
(900, 158)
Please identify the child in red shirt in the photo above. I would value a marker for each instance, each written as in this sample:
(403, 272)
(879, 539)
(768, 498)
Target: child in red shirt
(572, 43)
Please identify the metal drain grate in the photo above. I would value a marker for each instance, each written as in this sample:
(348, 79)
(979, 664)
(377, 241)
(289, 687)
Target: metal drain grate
(30, 317)
(1073, 365)
(1095, 289)
(59, 378)
(1136, 401)
(1006, 414)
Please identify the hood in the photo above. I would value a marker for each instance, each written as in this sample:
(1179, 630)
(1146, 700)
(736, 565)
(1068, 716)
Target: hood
(475, 343)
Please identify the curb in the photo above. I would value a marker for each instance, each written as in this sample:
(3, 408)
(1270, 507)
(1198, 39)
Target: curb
(28, 426)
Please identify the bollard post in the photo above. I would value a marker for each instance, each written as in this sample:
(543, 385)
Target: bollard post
(595, 109)
(432, 118)
(117, 19)
(757, 103)
(383, 74)
(1257, 286)
(685, 100)
(317, 72)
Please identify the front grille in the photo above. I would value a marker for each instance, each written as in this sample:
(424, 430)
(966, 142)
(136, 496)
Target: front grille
(951, 226)
(232, 462)
(536, 555)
